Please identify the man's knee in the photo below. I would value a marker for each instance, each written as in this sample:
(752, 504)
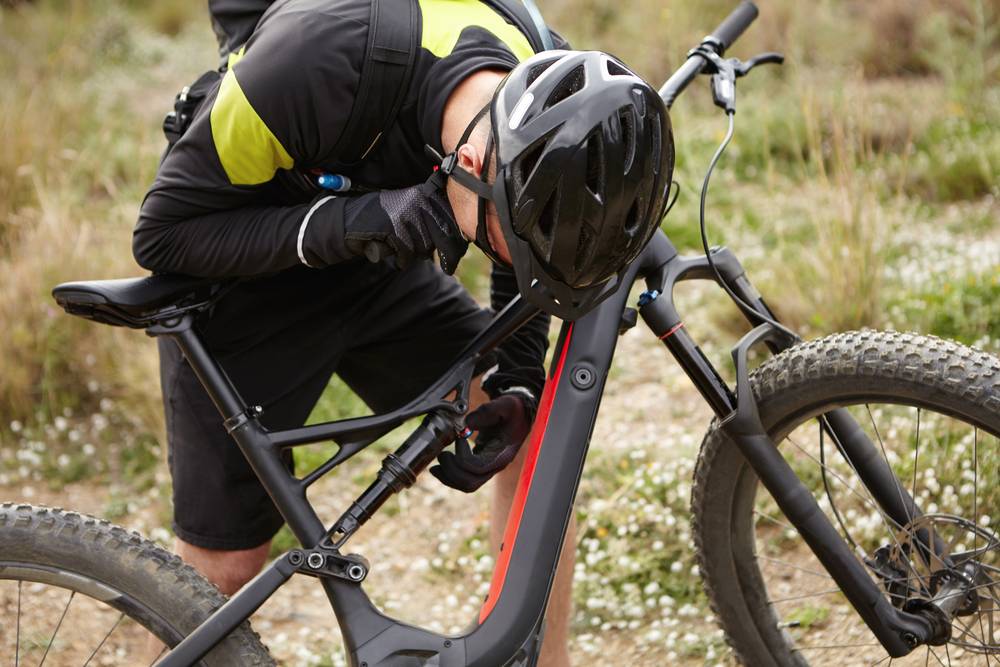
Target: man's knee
(228, 570)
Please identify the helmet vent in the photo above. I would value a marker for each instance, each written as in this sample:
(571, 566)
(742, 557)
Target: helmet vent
(627, 122)
(614, 69)
(570, 84)
(526, 165)
(655, 140)
(536, 71)
(595, 166)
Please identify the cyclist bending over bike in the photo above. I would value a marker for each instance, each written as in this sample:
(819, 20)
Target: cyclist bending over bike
(335, 282)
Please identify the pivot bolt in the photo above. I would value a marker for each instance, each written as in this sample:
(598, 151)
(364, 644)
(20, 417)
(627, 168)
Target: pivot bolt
(315, 561)
(583, 377)
(295, 558)
(356, 572)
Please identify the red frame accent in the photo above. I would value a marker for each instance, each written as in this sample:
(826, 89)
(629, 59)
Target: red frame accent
(672, 331)
(524, 484)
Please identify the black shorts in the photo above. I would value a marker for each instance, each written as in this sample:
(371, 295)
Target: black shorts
(388, 334)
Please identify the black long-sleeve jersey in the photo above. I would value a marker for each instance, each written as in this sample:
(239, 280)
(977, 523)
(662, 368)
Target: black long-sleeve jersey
(236, 195)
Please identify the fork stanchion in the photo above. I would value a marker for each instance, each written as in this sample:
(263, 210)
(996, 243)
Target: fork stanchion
(661, 317)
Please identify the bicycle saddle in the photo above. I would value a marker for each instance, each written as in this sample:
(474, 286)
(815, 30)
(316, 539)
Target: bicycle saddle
(134, 302)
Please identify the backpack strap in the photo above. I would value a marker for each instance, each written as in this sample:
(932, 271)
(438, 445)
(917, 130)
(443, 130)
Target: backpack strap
(385, 77)
(388, 67)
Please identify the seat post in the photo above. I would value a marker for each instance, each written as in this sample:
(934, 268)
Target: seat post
(211, 375)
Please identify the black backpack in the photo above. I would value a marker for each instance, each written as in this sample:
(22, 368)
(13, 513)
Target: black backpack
(391, 50)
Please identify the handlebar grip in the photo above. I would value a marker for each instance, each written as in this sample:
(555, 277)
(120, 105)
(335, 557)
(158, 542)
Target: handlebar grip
(735, 24)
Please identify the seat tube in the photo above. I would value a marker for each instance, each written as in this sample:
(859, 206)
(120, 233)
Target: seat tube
(243, 425)
(220, 389)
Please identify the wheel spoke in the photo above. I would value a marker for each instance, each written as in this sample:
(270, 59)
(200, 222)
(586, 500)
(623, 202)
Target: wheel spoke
(885, 456)
(834, 646)
(52, 640)
(936, 657)
(870, 501)
(916, 457)
(831, 591)
(105, 638)
(965, 630)
(775, 520)
(17, 632)
(795, 567)
(899, 490)
(159, 655)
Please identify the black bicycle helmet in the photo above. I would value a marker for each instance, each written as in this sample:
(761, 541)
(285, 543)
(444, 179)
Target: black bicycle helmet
(585, 156)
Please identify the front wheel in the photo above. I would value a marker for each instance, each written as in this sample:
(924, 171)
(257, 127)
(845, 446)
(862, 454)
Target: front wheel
(75, 590)
(932, 412)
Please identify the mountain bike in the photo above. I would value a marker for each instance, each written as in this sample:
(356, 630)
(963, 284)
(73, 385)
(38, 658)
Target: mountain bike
(841, 497)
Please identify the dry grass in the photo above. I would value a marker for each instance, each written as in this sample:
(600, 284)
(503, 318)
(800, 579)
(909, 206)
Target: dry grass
(80, 145)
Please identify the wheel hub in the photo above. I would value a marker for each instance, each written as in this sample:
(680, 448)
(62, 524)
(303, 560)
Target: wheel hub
(930, 570)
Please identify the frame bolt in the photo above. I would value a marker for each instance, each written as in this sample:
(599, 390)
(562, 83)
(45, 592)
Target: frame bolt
(356, 572)
(295, 558)
(447, 643)
(315, 561)
(583, 377)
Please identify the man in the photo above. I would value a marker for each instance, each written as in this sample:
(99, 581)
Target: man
(337, 282)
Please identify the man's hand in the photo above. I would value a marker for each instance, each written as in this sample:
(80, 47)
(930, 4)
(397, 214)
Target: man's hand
(408, 223)
(502, 426)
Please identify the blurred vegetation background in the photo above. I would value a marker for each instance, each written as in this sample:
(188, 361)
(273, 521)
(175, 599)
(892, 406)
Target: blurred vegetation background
(861, 189)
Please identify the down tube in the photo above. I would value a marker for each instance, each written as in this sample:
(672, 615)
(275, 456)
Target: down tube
(544, 499)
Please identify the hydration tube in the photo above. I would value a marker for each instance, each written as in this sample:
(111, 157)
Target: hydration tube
(543, 30)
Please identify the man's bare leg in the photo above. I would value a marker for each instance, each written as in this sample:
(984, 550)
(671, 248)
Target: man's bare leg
(228, 570)
(555, 647)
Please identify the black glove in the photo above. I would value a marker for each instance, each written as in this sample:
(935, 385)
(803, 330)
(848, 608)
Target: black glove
(503, 424)
(408, 223)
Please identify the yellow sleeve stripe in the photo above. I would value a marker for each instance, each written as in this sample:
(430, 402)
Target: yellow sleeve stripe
(248, 150)
(444, 21)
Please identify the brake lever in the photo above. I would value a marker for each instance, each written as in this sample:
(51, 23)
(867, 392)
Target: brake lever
(741, 69)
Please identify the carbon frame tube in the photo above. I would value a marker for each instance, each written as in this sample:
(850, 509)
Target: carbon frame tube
(552, 474)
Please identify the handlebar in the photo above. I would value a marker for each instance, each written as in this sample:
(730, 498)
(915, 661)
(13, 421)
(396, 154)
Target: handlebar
(718, 40)
(735, 25)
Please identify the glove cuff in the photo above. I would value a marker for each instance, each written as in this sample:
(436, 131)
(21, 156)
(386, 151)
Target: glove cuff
(528, 399)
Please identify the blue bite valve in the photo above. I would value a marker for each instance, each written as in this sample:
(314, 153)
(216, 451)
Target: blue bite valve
(334, 182)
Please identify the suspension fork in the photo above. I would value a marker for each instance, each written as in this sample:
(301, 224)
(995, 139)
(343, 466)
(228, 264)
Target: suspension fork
(858, 450)
(898, 631)
(848, 437)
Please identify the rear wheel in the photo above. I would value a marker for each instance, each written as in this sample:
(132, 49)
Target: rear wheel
(932, 410)
(75, 590)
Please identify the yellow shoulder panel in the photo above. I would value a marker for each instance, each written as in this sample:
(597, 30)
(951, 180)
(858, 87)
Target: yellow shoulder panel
(248, 150)
(444, 21)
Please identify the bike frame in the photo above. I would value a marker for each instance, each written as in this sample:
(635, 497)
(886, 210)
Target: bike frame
(510, 624)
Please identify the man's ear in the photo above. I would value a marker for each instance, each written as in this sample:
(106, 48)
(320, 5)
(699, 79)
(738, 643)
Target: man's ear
(469, 159)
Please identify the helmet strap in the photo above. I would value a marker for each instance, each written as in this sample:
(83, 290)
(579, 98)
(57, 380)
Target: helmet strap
(478, 186)
(482, 239)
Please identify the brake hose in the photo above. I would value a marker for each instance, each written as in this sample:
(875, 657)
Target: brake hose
(704, 238)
